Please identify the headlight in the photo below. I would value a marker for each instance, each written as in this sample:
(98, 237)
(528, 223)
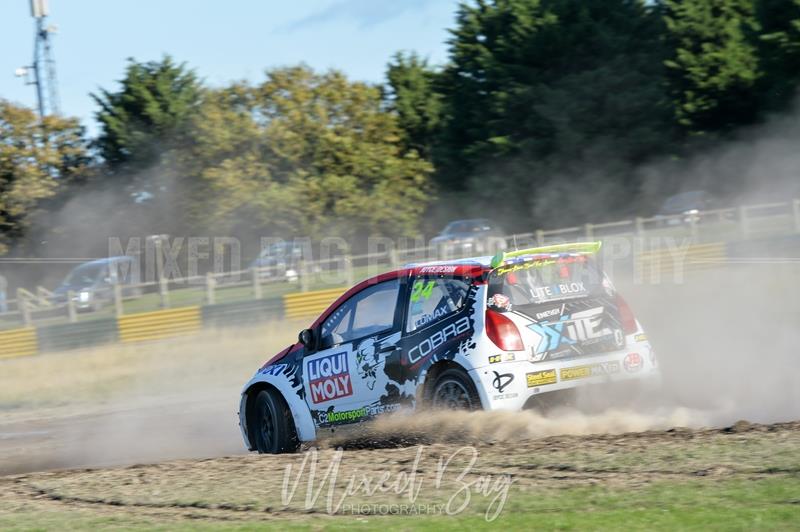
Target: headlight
(84, 296)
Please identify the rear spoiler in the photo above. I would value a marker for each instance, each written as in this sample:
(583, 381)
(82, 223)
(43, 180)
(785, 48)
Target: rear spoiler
(522, 255)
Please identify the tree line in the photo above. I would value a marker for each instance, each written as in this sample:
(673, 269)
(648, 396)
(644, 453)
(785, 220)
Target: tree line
(545, 113)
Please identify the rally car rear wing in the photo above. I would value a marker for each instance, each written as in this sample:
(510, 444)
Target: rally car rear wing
(524, 255)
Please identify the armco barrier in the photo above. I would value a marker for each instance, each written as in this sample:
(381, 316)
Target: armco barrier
(242, 312)
(697, 257)
(65, 336)
(306, 304)
(18, 343)
(159, 324)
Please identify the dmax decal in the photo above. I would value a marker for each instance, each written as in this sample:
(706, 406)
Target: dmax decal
(589, 370)
(329, 377)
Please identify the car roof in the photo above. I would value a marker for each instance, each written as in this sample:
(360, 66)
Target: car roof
(107, 260)
(470, 267)
(473, 267)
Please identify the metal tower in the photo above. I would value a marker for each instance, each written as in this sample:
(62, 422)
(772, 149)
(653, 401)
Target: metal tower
(43, 69)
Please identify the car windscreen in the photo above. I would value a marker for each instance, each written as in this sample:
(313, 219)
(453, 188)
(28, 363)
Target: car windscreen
(547, 279)
(84, 275)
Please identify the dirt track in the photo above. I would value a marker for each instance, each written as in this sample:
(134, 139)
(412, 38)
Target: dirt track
(152, 404)
(242, 488)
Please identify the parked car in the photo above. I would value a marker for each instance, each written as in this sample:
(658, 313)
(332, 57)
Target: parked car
(92, 283)
(522, 330)
(686, 207)
(468, 236)
(280, 261)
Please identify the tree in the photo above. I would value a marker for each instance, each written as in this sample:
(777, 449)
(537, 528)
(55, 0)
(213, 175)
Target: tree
(714, 67)
(539, 91)
(148, 115)
(38, 159)
(305, 154)
(412, 95)
(779, 52)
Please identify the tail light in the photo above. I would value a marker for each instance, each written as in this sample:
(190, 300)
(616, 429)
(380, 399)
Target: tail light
(626, 317)
(503, 332)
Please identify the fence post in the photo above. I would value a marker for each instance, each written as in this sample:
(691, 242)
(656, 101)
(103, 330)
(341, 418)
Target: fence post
(693, 226)
(73, 316)
(163, 290)
(256, 282)
(118, 299)
(743, 224)
(540, 237)
(348, 265)
(24, 307)
(210, 284)
(589, 229)
(393, 261)
(796, 209)
(639, 223)
(302, 270)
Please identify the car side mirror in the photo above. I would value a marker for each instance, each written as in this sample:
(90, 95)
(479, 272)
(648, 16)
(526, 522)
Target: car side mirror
(306, 338)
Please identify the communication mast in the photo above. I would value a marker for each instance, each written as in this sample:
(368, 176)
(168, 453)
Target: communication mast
(42, 73)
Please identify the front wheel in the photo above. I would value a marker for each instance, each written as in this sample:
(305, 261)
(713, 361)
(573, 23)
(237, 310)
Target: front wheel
(272, 424)
(454, 390)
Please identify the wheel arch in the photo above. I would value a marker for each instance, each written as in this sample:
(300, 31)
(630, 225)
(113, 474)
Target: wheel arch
(301, 416)
(432, 373)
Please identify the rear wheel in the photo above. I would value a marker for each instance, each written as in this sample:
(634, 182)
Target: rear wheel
(454, 390)
(272, 424)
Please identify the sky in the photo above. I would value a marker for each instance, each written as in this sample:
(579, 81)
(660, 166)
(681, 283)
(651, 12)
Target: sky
(223, 40)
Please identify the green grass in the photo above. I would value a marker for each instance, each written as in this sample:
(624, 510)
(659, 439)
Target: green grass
(701, 504)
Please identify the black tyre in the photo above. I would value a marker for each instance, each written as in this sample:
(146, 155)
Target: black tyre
(454, 390)
(271, 424)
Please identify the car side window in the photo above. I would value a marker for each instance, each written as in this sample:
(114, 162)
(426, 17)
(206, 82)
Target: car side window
(433, 299)
(368, 312)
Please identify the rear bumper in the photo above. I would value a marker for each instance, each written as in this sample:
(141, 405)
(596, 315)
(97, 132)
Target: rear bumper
(512, 385)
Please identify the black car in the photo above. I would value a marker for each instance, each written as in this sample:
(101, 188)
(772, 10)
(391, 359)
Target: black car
(280, 260)
(686, 207)
(92, 283)
(472, 236)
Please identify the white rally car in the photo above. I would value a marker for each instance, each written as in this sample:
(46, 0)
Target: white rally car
(505, 333)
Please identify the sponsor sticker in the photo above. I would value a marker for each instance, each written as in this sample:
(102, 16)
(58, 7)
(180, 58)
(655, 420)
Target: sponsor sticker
(344, 416)
(501, 380)
(507, 357)
(274, 370)
(500, 301)
(589, 370)
(633, 362)
(504, 396)
(640, 338)
(438, 270)
(541, 378)
(437, 339)
(329, 377)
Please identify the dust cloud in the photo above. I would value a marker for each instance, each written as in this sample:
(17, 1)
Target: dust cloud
(725, 338)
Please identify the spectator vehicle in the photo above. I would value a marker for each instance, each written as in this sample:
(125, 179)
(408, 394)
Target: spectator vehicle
(685, 207)
(279, 261)
(522, 330)
(468, 236)
(91, 284)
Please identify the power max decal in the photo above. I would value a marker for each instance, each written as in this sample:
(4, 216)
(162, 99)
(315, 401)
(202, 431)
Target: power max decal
(329, 378)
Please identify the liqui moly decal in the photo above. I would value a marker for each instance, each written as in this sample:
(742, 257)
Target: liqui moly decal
(329, 378)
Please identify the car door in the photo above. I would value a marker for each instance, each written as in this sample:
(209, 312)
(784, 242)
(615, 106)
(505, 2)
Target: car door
(344, 378)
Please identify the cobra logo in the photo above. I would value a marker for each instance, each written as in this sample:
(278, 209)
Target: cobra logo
(439, 338)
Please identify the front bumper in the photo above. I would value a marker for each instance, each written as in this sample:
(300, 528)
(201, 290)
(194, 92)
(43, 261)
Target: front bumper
(510, 385)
